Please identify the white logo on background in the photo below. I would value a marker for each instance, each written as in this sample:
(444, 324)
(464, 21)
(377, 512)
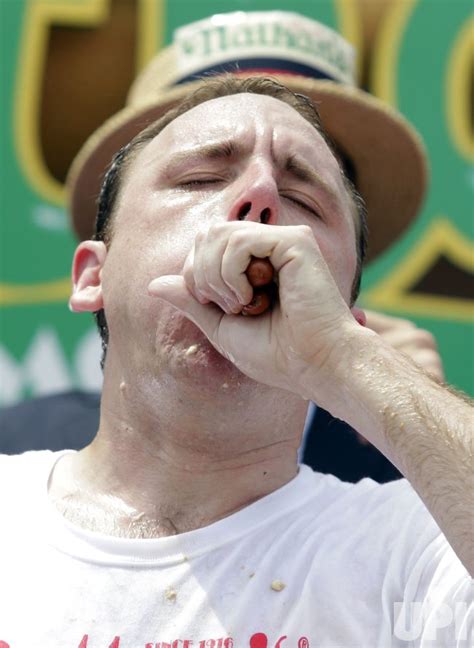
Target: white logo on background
(413, 619)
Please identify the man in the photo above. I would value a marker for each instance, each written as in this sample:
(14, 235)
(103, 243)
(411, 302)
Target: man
(290, 43)
(186, 521)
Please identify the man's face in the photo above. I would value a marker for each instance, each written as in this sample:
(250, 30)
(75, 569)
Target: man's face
(223, 153)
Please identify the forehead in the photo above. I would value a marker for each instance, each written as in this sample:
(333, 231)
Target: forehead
(244, 117)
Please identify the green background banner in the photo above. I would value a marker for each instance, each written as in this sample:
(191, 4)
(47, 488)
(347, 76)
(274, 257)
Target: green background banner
(56, 90)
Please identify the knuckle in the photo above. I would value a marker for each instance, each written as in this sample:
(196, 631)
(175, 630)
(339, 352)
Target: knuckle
(303, 235)
(214, 288)
(431, 340)
(426, 339)
(239, 239)
(199, 239)
(188, 274)
(228, 276)
(216, 231)
(305, 231)
(405, 324)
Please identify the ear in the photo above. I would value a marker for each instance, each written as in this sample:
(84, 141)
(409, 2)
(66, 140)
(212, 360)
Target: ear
(359, 315)
(87, 267)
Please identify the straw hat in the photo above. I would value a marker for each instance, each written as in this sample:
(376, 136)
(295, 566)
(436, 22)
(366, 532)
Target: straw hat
(306, 56)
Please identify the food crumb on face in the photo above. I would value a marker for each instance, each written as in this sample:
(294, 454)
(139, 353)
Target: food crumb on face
(225, 386)
(191, 350)
(277, 585)
(171, 594)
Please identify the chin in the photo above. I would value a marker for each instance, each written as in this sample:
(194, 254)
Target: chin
(186, 354)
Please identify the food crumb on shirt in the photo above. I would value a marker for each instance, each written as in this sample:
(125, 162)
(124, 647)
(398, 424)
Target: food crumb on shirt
(171, 594)
(252, 575)
(277, 585)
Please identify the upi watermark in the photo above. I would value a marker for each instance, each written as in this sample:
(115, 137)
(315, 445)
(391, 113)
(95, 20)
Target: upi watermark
(411, 620)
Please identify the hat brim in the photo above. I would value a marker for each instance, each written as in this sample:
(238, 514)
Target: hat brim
(387, 154)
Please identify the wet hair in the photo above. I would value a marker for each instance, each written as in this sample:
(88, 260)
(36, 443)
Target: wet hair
(214, 88)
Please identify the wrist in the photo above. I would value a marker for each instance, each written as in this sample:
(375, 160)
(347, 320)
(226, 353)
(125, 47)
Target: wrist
(332, 376)
(370, 385)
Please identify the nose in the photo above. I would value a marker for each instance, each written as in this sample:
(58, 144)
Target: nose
(258, 199)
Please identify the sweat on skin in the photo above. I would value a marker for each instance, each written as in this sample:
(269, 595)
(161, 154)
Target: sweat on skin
(187, 519)
(177, 236)
(195, 176)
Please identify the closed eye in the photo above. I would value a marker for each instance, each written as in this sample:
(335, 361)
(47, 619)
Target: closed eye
(302, 205)
(199, 182)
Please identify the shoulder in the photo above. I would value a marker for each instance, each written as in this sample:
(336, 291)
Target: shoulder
(381, 521)
(366, 497)
(21, 470)
(24, 482)
(388, 526)
(385, 533)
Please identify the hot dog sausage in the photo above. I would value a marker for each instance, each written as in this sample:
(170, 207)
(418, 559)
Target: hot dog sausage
(260, 274)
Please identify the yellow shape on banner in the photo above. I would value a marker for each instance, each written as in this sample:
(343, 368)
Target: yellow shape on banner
(387, 48)
(151, 21)
(47, 292)
(40, 16)
(393, 292)
(348, 21)
(458, 91)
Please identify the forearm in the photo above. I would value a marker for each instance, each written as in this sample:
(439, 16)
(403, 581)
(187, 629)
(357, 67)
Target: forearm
(309, 344)
(421, 426)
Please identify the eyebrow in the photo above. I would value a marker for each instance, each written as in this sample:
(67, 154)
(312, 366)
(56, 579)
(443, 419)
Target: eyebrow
(304, 172)
(216, 151)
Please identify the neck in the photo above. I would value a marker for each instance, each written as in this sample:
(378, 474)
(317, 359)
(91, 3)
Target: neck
(174, 461)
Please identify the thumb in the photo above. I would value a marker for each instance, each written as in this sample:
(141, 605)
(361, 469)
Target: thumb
(173, 289)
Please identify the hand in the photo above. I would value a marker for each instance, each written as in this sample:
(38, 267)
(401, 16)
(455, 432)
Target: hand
(403, 335)
(303, 328)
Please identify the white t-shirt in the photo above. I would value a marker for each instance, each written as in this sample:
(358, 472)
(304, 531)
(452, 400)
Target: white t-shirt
(317, 563)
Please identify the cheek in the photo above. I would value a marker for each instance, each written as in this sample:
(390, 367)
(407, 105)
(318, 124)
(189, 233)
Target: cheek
(137, 255)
